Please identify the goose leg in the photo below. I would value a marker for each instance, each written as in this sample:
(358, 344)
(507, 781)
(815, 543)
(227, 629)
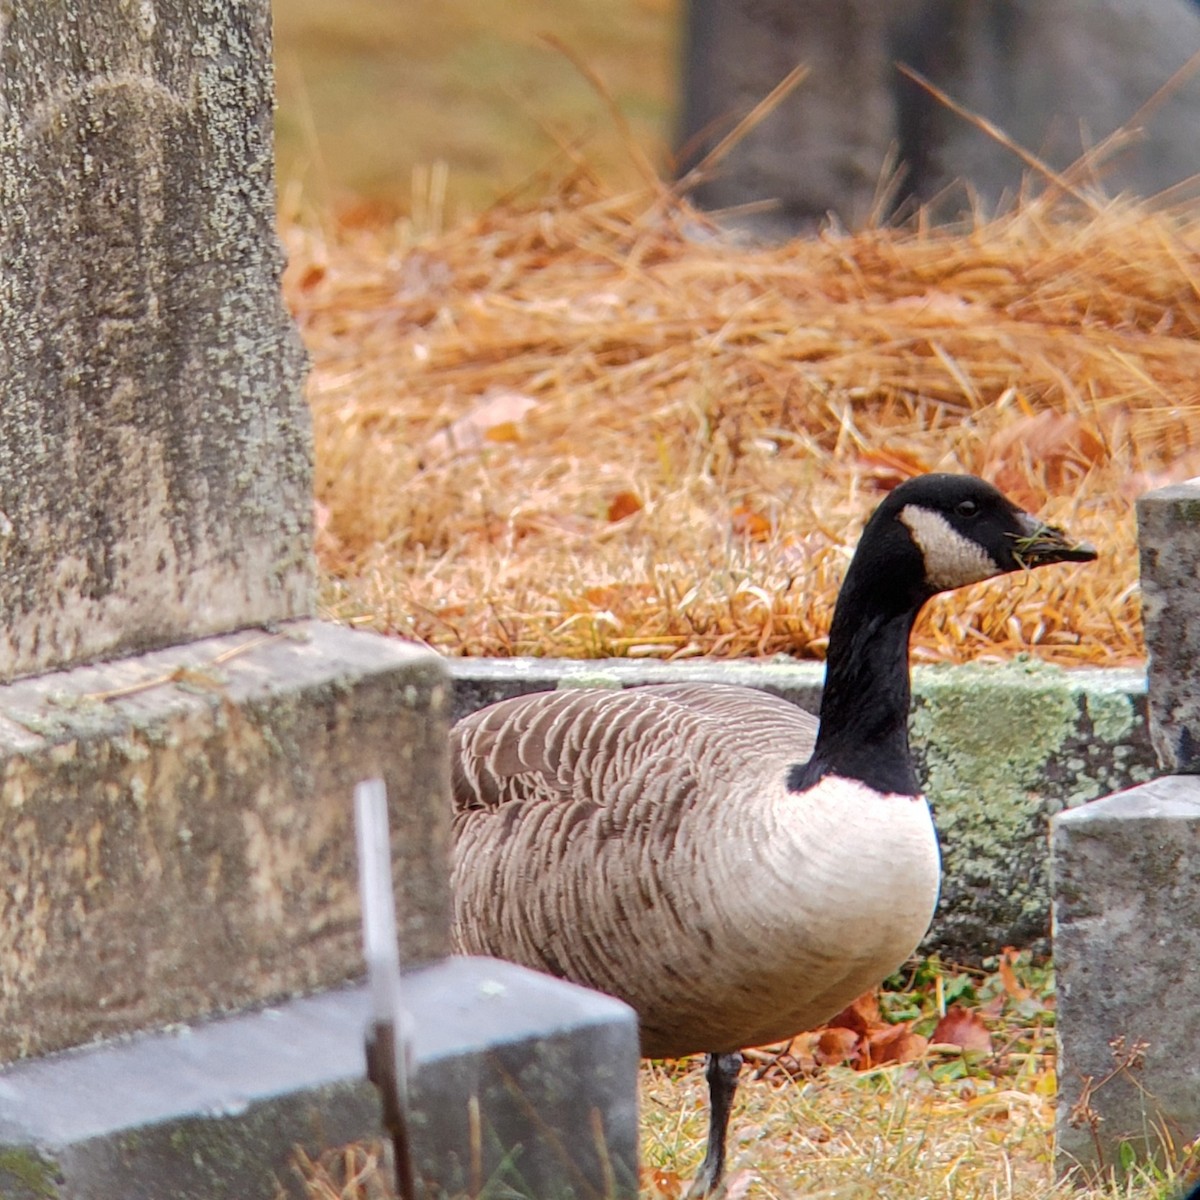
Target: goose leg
(722, 1074)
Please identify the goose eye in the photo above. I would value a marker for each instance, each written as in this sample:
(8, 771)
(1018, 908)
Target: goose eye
(966, 508)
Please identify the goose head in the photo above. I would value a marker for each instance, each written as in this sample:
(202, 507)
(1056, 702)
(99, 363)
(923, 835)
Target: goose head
(938, 532)
(931, 534)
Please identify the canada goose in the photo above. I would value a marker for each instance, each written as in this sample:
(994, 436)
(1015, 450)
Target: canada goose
(712, 855)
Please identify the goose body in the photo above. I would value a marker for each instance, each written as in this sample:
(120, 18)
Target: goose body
(734, 869)
(656, 853)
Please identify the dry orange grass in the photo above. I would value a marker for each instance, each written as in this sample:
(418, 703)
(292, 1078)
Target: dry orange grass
(586, 426)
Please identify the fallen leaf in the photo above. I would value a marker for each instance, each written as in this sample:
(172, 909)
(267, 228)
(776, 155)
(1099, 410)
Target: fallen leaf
(1008, 976)
(622, 505)
(933, 303)
(861, 1015)
(505, 431)
(660, 1184)
(799, 1056)
(495, 418)
(602, 596)
(897, 1043)
(1047, 1083)
(836, 1046)
(747, 523)
(962, 1028)
(311, 277)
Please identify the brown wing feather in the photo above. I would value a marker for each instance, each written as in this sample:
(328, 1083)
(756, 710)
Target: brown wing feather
(569, 812)
(577, 744)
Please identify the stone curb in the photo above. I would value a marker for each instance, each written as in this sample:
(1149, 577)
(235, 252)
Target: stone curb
(215, 1111)
(1001, 749)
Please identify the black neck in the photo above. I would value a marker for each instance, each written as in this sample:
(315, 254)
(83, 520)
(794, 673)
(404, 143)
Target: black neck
(864, 707)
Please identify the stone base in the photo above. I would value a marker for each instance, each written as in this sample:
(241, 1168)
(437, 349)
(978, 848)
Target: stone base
(217, 1110)
(554, 1067)
(1126, 872)
(176, 829)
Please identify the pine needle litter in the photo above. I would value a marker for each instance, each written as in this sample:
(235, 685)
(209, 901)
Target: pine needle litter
(589, 425)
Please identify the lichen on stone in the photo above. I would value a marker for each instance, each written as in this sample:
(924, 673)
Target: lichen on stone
(1002, 748)
(27, 1175)
(1111, 713)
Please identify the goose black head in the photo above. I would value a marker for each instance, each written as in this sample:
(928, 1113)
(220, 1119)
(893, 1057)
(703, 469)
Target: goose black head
(951, 530)
(931, 534)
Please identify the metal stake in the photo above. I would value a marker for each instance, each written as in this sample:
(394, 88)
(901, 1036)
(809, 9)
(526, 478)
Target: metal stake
(386, 1041)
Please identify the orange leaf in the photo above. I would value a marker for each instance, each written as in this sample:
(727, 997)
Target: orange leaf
(749, 524)
(861, 1015)
(602, 595)
(622, 505)
(963, 1028)
(1008, 977)
(660, 1184)
(505, 431)
(311, 277)
(897, 1043)
(495, 418)
(802, 1050)
(836, 1046)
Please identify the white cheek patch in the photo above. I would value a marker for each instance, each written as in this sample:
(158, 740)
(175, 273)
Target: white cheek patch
(951, 560)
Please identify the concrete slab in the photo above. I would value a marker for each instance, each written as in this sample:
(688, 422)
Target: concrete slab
(1126, 944)
(522, 1081)
(176, 831)
(554, 1067)
(1000, 750)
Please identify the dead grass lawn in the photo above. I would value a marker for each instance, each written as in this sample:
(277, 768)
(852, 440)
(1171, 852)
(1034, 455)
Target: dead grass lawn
(585, 426)
(967, 1114)
(889, 1134)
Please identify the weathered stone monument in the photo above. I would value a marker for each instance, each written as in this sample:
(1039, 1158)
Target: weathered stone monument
(154, 440)
(1126, 873)
(179, 740)
(171, 821)
(823, 150)
(1057, 76)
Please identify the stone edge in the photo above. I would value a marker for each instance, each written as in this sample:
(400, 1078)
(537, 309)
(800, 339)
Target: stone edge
(218, 1108)
(480, 681)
